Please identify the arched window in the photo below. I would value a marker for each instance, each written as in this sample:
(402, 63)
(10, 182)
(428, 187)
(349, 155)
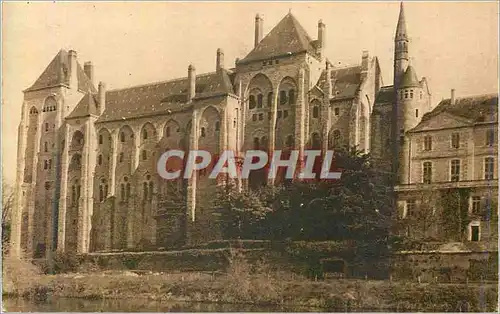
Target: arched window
(33, 110)
(260, 100)
(270, 99)
(100, 139)
(105, 190)
(144, 155)
(50, 163)
(291, 96)
(45, 165)
(167, 131)
(315, 112)
(151, 188)
(120, 158)
(127, 194)
(144, 134)
(145, 190)
(122, 137)
(99, 160)
(251, 102)
(283, 99)
(217, 126)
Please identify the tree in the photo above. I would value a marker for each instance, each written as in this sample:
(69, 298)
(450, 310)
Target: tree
(7, 204)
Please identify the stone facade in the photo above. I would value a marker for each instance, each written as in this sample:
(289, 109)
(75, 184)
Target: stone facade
(87, 178)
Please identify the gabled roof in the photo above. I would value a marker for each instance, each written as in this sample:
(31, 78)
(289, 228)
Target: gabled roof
(477, 108)
(57, 73)
(345, 81)
(88, 105)
(159, 97)
(410, 78)
(288, 37)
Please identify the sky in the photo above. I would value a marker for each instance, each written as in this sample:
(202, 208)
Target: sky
(453, 44)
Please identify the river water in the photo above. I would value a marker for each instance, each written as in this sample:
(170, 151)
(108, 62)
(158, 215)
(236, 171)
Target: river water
(133, 305)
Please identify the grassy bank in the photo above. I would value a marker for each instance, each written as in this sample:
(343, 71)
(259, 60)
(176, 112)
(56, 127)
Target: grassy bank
(249, 283)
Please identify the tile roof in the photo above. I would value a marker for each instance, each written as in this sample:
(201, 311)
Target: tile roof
(385, 95)
(477, 108)
(57, 73)
(287, 37)
(159, 97)
(88, 105)
(345, 81)
(410, 78)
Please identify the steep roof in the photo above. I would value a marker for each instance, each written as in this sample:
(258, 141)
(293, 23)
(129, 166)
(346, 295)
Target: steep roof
(287, 37)
(88, 105)
(57, 73)
(385, 95)
(158, 97)
(345, 81)
(401, 31)
(410, 78)
(477, 108)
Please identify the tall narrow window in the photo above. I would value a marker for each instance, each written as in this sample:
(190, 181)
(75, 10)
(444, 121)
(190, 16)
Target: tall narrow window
(151, 189)
(167, 131)
(251, 101)
(203, 132)
(315, 112)
(455, 170)
(427, 175)
(101, 193)
(416, 113)
(291, 96)
(217, 126)
(73, 195)
(256, 143)
(78, 190)
(46, 127)
(455, 140)
(283, 99)
(490, 137)
(489, 168)
(45, 165)
(122, 192)
(428, 143)
(105, 190)
(411, 93)
(260, 100)
(406, 94)
(410, 208)
(337, 111)
(144, 134)
(127, 191)
(50, 163)
(45, 147)
(145, 190)
(121, 157)
(99, 160)
(100, 139)
(476, 204)
(269, 99)
(144, 155)
(122, 137)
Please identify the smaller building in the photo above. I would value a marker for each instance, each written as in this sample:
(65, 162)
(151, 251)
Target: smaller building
(451, 185)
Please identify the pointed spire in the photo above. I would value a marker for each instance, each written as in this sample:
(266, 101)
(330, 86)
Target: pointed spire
(401, 28)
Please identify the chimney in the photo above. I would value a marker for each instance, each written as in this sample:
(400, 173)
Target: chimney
(192, 83)
(88, 68)
(73, 78)
(452, 99)
(220, 60)
(259, 24)
(321, 37)
(365, 57)
(102, 97)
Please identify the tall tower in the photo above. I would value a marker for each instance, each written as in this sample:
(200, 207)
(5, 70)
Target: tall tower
(401, 41)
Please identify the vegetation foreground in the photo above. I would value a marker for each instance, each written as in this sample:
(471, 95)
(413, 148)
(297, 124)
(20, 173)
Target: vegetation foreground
(251, 284)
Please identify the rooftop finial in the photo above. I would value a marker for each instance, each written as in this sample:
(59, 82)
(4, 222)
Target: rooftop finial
(289, 10)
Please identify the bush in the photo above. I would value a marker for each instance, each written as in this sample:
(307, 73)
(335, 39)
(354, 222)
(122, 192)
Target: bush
(19, 274)
(66, 262)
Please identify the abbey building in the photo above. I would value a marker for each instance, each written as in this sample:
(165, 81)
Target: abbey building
(87, 156)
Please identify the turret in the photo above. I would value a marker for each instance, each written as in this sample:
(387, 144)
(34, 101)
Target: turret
(102, 97)
(401, 41)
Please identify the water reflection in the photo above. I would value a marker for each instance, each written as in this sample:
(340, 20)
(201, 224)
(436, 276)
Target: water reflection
(136, 305)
